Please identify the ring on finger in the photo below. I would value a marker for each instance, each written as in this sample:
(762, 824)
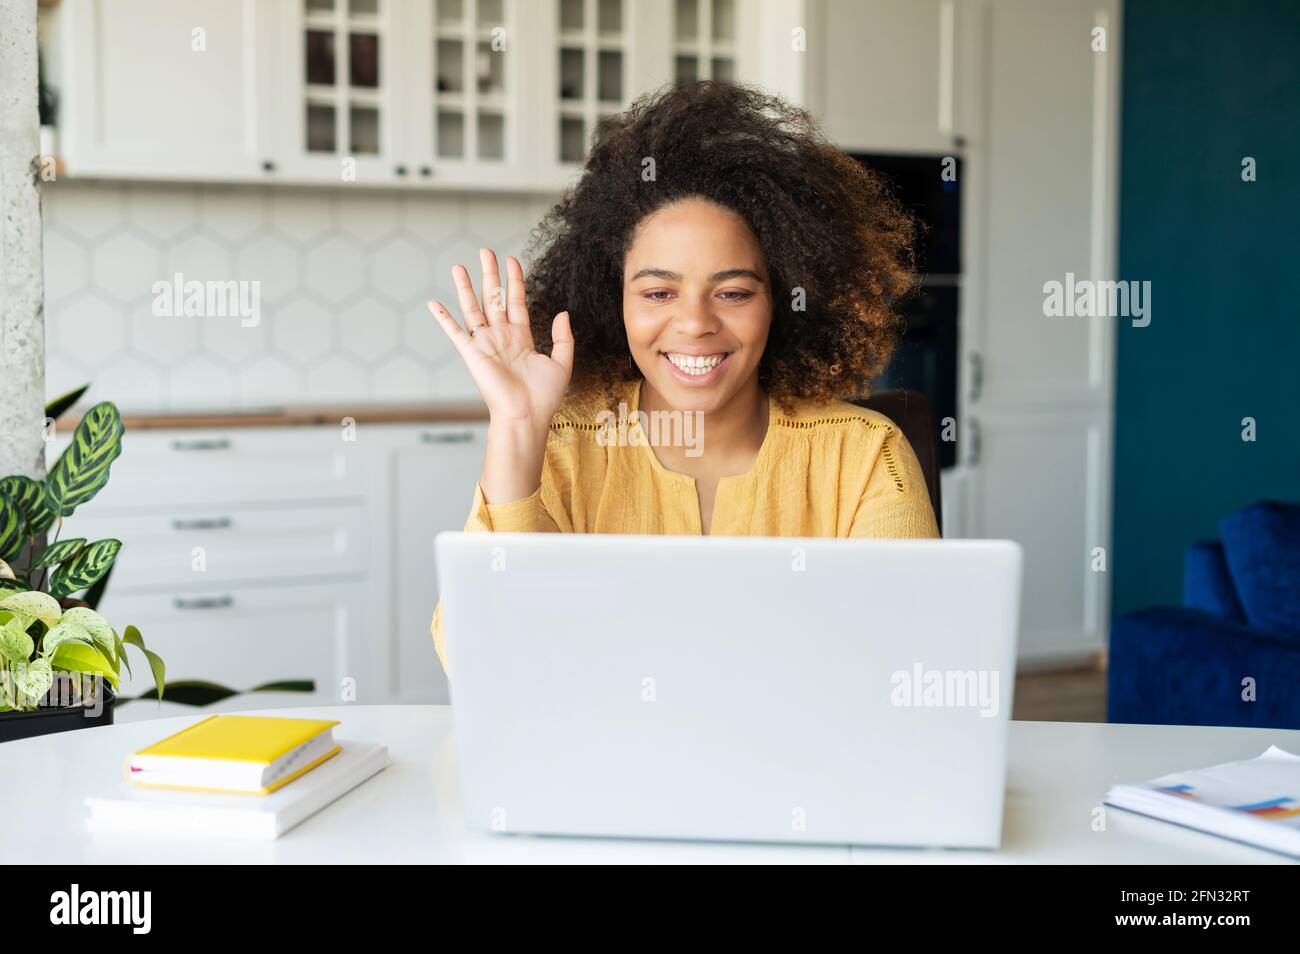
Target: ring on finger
(476, 328)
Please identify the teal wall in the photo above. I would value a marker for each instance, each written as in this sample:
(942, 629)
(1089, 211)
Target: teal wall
(1205, 83)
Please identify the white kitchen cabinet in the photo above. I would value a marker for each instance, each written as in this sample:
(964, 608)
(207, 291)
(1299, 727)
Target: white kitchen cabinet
(1044, 181)
(435, 470)
(215, 545)
(406, 94)
(606, 53)
(1041, 479)
(252, 555)
(705, 40)
(1037, 418)
(210, 468)
(449, 94)
(885, 78)
(243, 637)
(334, 90)
(468, 119)
(163, 89)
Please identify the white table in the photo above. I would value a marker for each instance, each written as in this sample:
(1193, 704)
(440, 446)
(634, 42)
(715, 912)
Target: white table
(411, 811)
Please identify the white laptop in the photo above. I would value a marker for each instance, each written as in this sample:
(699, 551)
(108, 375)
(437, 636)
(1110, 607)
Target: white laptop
(732, 688)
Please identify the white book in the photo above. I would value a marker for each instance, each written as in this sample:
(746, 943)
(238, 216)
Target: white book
(1256, 801)
(221, 814)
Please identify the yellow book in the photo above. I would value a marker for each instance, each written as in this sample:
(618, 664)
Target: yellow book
(251, 755)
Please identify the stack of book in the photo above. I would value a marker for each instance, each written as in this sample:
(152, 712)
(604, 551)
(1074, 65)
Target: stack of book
(232, 775)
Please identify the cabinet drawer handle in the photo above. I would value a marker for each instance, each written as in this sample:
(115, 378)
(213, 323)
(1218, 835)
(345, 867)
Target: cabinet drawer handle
(202, 444)
(203, 523)
(447, 437)
(204, 602)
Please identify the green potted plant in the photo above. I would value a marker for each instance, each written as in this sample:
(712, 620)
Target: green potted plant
(60, 660)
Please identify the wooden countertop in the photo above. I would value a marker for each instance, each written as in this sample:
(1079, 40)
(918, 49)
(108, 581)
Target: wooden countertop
(302, 416)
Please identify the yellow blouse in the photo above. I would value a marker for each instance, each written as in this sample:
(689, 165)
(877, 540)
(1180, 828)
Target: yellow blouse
(826, 470)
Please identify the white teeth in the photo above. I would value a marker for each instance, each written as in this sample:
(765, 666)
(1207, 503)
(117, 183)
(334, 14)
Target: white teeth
(696, 364)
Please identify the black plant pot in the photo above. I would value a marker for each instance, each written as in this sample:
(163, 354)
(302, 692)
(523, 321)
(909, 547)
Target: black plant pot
(44, 721)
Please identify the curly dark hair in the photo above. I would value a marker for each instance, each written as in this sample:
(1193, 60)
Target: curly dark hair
(824, 223)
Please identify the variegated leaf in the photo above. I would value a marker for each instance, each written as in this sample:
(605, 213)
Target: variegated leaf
(96, 626)
(85, 568)
(62, 633)
(15, 644)
(60, 552)
(34, 678)
(82, 469)
(76, 656)
(29, 495)
(40, 606)
(13, 529)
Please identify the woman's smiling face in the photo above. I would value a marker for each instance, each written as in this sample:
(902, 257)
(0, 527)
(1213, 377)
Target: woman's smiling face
(697, 303)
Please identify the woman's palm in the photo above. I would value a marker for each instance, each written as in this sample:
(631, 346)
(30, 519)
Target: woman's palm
(517, 381)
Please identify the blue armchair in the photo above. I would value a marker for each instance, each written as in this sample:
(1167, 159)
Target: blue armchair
(1240, 620)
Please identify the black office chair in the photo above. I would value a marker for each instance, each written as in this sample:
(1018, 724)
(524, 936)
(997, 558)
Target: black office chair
(911, 411)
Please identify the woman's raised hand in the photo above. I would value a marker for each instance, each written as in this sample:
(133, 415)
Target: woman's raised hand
(520, 385)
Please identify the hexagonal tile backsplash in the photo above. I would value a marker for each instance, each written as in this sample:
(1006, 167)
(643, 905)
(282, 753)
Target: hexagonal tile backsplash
(343, 280)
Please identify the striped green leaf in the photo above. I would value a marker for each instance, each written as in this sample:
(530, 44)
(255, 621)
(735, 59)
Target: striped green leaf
(95, 594)
(85, 568)
(60, 552)
(13, 529)
(82, 469)
(29, 495)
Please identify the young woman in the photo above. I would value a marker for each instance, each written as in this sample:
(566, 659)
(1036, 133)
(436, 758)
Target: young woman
(724, 270)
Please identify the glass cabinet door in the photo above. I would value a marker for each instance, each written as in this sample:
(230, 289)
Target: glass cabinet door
(704, 40)
(470, 93)
(594, 42)
(472, 82)
(346, 77)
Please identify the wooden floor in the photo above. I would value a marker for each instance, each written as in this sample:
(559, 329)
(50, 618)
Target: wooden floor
(1076, 695)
